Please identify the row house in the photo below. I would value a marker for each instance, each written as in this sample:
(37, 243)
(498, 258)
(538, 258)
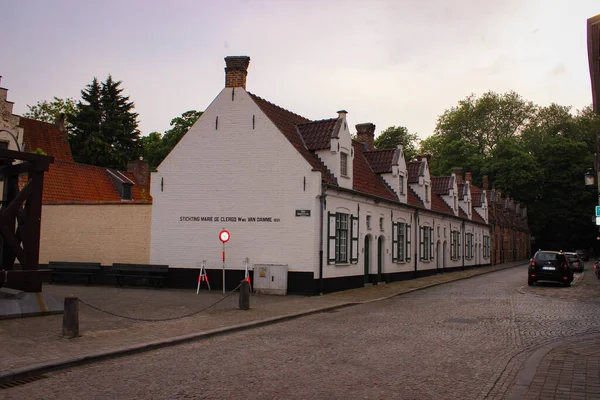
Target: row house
(308, 208)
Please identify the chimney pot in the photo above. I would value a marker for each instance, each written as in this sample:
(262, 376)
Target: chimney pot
(469, 177)
(459, 175)
(236, 70)
(365, 134)
(424, 156)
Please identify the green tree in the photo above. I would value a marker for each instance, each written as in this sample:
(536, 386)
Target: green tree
(51, 111)
(157, 147)
(104, 126)
(395, 135)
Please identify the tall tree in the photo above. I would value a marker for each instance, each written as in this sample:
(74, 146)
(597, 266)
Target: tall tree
(104, 126)
(52, 111)
(157, 147)
(395, 135)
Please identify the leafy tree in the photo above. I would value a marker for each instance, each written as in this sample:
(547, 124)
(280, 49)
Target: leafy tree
(395, 135)
(157, 147)
(104, 126)
(51, 111)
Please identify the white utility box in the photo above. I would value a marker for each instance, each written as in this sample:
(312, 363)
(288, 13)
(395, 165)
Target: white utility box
(270, 279)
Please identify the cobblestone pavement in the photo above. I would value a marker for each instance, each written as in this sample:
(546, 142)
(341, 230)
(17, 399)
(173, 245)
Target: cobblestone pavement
(462, 340)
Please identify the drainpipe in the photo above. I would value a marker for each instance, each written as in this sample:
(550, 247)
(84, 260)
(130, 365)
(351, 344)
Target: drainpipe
(321, 214)
(464, 242)
(415, 239)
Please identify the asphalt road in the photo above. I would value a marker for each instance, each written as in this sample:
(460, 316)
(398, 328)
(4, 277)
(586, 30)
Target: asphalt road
(461, 340)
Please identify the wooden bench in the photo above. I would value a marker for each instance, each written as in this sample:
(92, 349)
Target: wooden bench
(76, 269)
(155, 274)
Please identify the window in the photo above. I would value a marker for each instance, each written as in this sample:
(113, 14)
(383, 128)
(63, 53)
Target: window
(486, 247)
(368, 222)
(455, 245)
(341, 238)
(344, 164)
(468, 246)
(400, 242)
(426, 243)
(401, 184)
(381, 224)
(342, 244)
(455, 205)
(126, 192)
(426, 192)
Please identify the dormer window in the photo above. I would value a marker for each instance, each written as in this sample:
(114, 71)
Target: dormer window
(401, 184)
(126, 192)
(455, 204)
(426, 192)
(344, 164)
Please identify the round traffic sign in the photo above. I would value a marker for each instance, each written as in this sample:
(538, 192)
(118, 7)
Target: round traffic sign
(224, 236)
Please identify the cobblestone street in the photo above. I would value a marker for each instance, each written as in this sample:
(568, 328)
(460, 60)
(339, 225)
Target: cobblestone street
(462, 340)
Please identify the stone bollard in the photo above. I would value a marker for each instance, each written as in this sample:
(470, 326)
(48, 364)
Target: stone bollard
(70, 327)
(245, 295)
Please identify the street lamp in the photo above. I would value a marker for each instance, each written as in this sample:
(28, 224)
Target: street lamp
(589, 178)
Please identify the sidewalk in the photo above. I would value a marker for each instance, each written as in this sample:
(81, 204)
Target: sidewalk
(34, 346)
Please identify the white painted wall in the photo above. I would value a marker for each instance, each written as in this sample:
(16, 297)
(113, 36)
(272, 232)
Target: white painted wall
(232, 170)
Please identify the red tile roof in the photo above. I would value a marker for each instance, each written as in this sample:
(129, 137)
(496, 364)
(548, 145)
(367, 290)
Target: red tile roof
(364, 179)
(461, 189)
(286, 121)
(317, 135)
(438, 204)
(476, 196)
(73, 183)
(441, 184)
(477, 217)
(412, 198)
(462, 214)
(47, 137)
(413, 171)
(380, 160)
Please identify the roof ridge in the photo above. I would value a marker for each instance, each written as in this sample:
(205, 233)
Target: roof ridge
(281, 108)
(310, 121)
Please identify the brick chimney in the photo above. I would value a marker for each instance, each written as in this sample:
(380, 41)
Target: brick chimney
(60, 122)
(469, 177)
(365, 133)
(141, 172)
(236, 69)
(459, 175)
(486, 182)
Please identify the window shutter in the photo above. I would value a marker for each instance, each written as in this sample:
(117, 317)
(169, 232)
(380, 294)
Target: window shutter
(394, 241)
(421, 247)
(431, 243)
(407, 243)
(330, 238)
(354, 241)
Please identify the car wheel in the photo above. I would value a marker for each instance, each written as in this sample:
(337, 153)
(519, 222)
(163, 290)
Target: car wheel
(530, 281)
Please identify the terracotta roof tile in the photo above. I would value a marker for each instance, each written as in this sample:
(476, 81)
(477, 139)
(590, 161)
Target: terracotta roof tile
(413, 199)
(286, 122)
(413, 171)
(364, 179)
(476, 196)
(438, 204)
(72, 183)
(317, 135)
(380, 160)
(462, 214)
(477, 217)
(47, 137)
(461, 188)
(441, 184)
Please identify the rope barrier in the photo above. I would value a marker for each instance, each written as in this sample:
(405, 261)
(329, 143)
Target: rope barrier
(160, 319)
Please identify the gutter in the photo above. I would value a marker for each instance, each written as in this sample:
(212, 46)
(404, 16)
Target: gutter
(321, 213)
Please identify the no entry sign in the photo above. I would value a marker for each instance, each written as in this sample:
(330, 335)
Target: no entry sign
(224, 236)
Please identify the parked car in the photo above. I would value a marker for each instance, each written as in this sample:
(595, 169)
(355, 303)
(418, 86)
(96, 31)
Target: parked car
(549, 265)
(583, 254)
(576, 262)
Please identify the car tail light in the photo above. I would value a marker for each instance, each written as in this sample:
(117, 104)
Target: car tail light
(532, 263)
(565, 265)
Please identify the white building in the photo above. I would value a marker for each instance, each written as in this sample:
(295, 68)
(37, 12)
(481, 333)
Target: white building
(302, 196)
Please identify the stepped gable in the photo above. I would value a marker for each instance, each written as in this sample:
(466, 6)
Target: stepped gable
(439, 205)
(380, 160)
(364, 179)
(477, 217)
(441, 185)
(413, 199)
(317, 134)
(73, 183)
(47, 137)
(286, 121)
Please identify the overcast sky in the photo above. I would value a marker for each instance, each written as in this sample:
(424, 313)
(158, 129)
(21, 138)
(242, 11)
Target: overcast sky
(388, 62)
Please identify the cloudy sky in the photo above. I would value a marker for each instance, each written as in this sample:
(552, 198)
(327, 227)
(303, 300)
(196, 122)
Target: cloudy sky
(388, 62)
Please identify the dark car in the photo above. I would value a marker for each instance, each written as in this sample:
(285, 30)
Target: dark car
(583, 254)
(576, 262)
(549, 266)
